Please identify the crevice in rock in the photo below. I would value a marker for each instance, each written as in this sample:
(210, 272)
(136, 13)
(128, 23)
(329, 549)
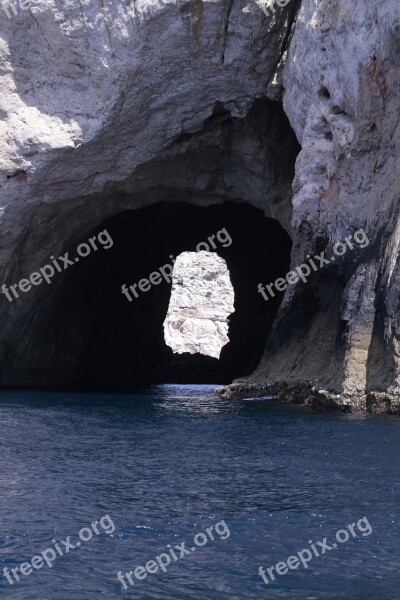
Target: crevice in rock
(293, 11)
(226, 25)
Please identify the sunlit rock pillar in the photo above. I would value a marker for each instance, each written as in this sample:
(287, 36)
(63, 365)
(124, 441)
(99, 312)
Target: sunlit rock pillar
(339, 331)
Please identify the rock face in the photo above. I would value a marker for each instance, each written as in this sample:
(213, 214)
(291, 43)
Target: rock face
(201, 301)
(340, 331)
(107, 107)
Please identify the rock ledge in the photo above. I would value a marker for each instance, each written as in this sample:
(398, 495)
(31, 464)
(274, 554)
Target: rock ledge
(306, 394)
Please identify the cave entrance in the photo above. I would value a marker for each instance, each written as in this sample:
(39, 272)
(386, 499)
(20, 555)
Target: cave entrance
(98, 338)
(125, 343)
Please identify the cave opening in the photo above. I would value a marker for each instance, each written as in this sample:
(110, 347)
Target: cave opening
(85, 331)
(89, 335)
(125, 343)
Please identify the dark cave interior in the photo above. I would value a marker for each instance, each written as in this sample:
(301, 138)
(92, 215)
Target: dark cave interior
(100, 340)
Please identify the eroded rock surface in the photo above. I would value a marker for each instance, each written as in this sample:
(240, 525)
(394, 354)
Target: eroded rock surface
(340, 331)
(202, 299)
(106, 106)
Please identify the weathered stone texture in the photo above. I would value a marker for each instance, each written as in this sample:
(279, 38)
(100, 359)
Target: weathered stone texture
(106, 106)
(341, 79)
(202, 299)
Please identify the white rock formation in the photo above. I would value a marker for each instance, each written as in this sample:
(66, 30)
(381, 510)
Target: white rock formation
(201, 301)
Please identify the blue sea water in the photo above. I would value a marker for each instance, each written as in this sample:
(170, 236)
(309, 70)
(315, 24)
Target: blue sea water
(172, 461)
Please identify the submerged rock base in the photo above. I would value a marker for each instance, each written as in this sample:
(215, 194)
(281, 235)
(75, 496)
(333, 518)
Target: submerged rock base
(306, 394)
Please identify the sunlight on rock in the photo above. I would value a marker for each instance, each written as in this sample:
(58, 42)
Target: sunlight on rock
(202, 299)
